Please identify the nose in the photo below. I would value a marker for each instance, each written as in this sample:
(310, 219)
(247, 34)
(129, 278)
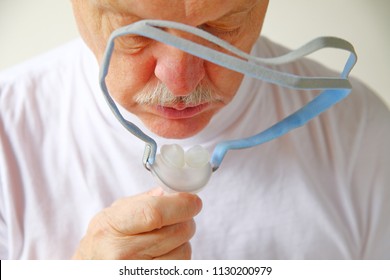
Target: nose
(179, 71)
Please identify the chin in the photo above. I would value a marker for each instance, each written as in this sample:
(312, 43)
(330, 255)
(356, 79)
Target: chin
(177, 129)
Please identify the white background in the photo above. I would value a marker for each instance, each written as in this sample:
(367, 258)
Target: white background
(30, 27)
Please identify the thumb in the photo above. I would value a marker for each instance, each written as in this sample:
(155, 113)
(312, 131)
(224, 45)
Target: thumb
(158, 191)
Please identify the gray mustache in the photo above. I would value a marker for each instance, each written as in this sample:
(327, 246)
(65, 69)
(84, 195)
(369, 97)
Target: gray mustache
(161, 95)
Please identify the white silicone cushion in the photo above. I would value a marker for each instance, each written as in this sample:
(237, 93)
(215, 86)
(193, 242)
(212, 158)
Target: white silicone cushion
(181, 171)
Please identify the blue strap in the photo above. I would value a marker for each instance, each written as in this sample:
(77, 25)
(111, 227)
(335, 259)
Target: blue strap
(334, 89)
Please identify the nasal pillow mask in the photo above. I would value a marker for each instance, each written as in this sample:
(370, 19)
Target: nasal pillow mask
(189, 171)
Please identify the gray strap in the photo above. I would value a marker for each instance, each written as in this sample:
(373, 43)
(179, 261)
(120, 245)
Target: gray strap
(335, 88)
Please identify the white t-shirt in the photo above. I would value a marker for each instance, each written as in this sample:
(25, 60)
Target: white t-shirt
(319, 192)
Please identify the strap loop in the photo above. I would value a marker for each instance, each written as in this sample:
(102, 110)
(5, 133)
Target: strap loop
(334, 89)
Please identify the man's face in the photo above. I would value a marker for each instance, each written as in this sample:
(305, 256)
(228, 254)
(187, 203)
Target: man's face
(142, 71)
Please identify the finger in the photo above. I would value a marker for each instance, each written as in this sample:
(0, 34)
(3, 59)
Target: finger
(155, 192)
(149, 245)
(147, 212)
(162, 241)
(182, 252)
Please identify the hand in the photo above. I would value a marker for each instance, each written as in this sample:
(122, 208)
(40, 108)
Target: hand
(153, 225)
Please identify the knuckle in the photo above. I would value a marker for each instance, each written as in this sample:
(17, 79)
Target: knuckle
(105, 224)
(100, 222)
(152, 217)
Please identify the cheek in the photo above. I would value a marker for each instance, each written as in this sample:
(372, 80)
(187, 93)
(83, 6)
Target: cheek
(225, 81)
(127, 75)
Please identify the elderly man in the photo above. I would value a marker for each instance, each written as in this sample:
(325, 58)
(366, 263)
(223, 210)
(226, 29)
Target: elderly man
(71, 179)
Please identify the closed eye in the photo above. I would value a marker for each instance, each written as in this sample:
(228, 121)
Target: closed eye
(131, 43)
(220, 31)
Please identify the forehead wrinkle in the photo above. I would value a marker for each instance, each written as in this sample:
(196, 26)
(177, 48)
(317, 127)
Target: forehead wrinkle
(192, 12)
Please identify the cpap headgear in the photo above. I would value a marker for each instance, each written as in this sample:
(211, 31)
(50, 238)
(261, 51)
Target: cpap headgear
(189, 171)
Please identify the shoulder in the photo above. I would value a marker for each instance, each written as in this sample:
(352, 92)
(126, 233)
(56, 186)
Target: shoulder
(51, 65)
(44, 82)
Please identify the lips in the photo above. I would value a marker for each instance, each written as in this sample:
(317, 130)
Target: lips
(179, 111)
